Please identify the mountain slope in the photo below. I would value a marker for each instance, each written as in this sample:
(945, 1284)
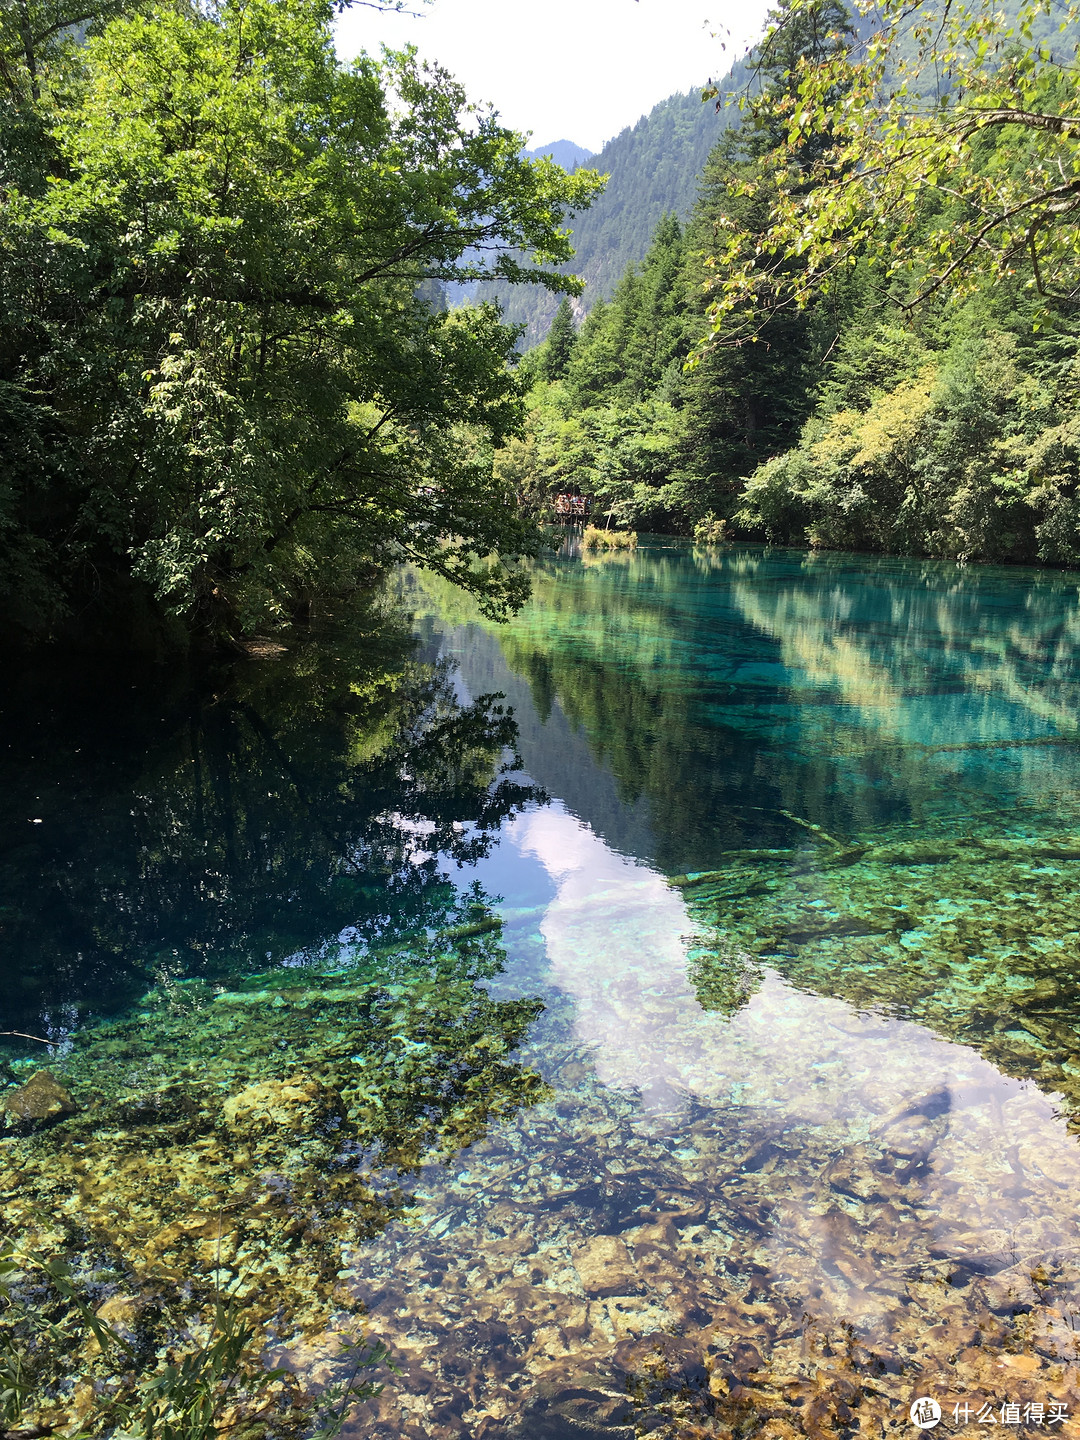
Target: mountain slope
(653, 169)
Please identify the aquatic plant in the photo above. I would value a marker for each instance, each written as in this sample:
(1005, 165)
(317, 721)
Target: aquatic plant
(724, 976)
(596, 539)
(336, 1402)
(200, 1389)
(911, 923)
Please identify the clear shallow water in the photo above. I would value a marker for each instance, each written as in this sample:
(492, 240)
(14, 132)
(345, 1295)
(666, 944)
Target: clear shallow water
(757, 1114)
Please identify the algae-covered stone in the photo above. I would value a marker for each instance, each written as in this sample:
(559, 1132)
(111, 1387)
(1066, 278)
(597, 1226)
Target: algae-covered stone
(121, 1314)
(233, 1153)
(605, 1267)
(292, 1104)
(37, 1102)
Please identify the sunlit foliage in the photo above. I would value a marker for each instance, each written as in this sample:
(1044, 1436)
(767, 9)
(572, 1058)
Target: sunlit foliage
(221, 382)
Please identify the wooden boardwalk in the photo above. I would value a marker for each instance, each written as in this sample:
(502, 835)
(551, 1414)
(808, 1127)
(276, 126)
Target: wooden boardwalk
(570, 509)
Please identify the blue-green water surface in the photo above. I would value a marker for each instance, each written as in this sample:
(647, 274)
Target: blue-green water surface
(683, 1043)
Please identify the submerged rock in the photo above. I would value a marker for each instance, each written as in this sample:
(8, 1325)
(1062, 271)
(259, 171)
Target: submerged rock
(37, 1102)
(604, 1266)
(296, 1103)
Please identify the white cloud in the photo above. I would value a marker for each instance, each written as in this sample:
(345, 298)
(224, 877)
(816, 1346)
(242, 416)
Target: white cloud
(577, 70)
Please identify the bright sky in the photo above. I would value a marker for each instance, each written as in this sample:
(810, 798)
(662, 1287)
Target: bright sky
(576, 70)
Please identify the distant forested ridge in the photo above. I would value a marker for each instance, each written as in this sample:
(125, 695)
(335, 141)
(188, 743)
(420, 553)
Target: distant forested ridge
(867, 334)
(563, 152)
(653, 169)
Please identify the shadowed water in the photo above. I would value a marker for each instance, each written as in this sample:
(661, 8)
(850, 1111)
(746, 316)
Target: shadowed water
(757, 1114)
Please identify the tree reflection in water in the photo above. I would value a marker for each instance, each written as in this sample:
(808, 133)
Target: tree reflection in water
(193, 825)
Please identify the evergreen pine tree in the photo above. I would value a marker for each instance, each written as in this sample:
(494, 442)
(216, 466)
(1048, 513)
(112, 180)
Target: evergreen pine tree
(560, 343)
(746, 402)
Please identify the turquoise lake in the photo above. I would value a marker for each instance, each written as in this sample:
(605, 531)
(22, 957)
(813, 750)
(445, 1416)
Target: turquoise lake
(682, 1042)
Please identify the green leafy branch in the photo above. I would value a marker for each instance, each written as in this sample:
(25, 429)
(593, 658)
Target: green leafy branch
(939, 152)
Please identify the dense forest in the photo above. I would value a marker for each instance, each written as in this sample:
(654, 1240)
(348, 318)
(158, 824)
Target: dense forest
(223, 386)
(865, 336)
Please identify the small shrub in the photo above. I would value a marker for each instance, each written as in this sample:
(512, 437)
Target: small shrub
(596, 539)
(711, 530)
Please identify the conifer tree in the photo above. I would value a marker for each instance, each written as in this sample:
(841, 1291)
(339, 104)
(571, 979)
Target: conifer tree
(560, 344)
(750, 400)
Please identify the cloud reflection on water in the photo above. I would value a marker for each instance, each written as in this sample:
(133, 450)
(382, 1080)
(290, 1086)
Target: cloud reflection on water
(992, 1153)
(824, 1206)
